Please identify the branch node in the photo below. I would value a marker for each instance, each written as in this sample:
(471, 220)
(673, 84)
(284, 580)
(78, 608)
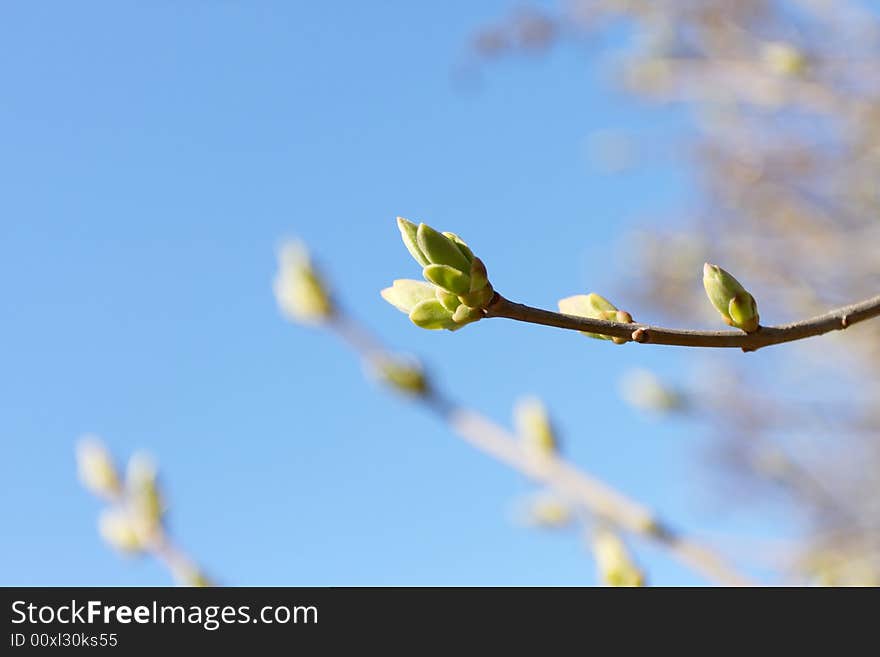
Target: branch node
(640, 335)
(844, 321)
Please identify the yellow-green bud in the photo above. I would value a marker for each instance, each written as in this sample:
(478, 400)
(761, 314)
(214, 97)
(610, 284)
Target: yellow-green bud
(299, 291)
(595, 306)
(118, 531)
(645, 391)
(404, 294)
(534, 427)
(143, 499)
(440, 250)
(408, 232)
(613, 562)
(548, 511)
(406, 376)
(433, 315)
(448, 278)
(783, 59)
(459, 287)
(96, 469)
(736, 305)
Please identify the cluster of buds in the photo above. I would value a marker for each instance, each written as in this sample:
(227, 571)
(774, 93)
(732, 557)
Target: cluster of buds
(300, 291)
(134, 520)
(738, 308)
(457, 288)
(613, 562)
(133, 523)
(593, 306)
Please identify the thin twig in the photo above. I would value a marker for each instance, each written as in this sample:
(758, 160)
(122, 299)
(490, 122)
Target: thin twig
(765, 336)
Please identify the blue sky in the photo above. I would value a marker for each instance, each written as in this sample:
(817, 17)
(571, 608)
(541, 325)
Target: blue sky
(153, 156)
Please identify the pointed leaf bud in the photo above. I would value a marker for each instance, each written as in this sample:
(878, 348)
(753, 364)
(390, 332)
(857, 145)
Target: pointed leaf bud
(613, 562)
(96, 469)
(479, 275)
(431, 314)
(731, 300)
(448, 278)
(595, 306)
(299, 290)
(465, 315)
(462, 246)
(408, 233)
(440, 250)
(783, 59)
(449, 300)
(405, 293)
(534, 427)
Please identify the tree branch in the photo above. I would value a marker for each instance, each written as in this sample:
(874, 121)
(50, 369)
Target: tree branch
(765, 336)
(579, 487)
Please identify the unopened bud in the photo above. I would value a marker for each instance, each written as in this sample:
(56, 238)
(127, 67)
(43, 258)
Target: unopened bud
(299, 290)
(118, 531)
(405, 294)
(96, 469)
(736, 305)
(613, 562)
(548, 511)
(460, 287)
(405, 375)
(594, 306)
(440, 250)
(534, 427)
(143, 499)
(645, 391)
(783, 59)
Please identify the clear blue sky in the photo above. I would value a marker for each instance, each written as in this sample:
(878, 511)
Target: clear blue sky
(153, 154)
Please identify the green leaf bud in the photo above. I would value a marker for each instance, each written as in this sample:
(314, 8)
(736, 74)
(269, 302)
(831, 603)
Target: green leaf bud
(408, 233)
(450, 279)
(405, 293)
(595, 306)
(479, 275)
(465, 315)
(431, 314)
(645, 391)
(117, 529)
(404, 375)
(449, 300)
(299, 290)
(547, 511)
(613, 562)
(440, 250)
(731, 300)
(143, 500)
(534, 427)
(96, 469)
(462, 246)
